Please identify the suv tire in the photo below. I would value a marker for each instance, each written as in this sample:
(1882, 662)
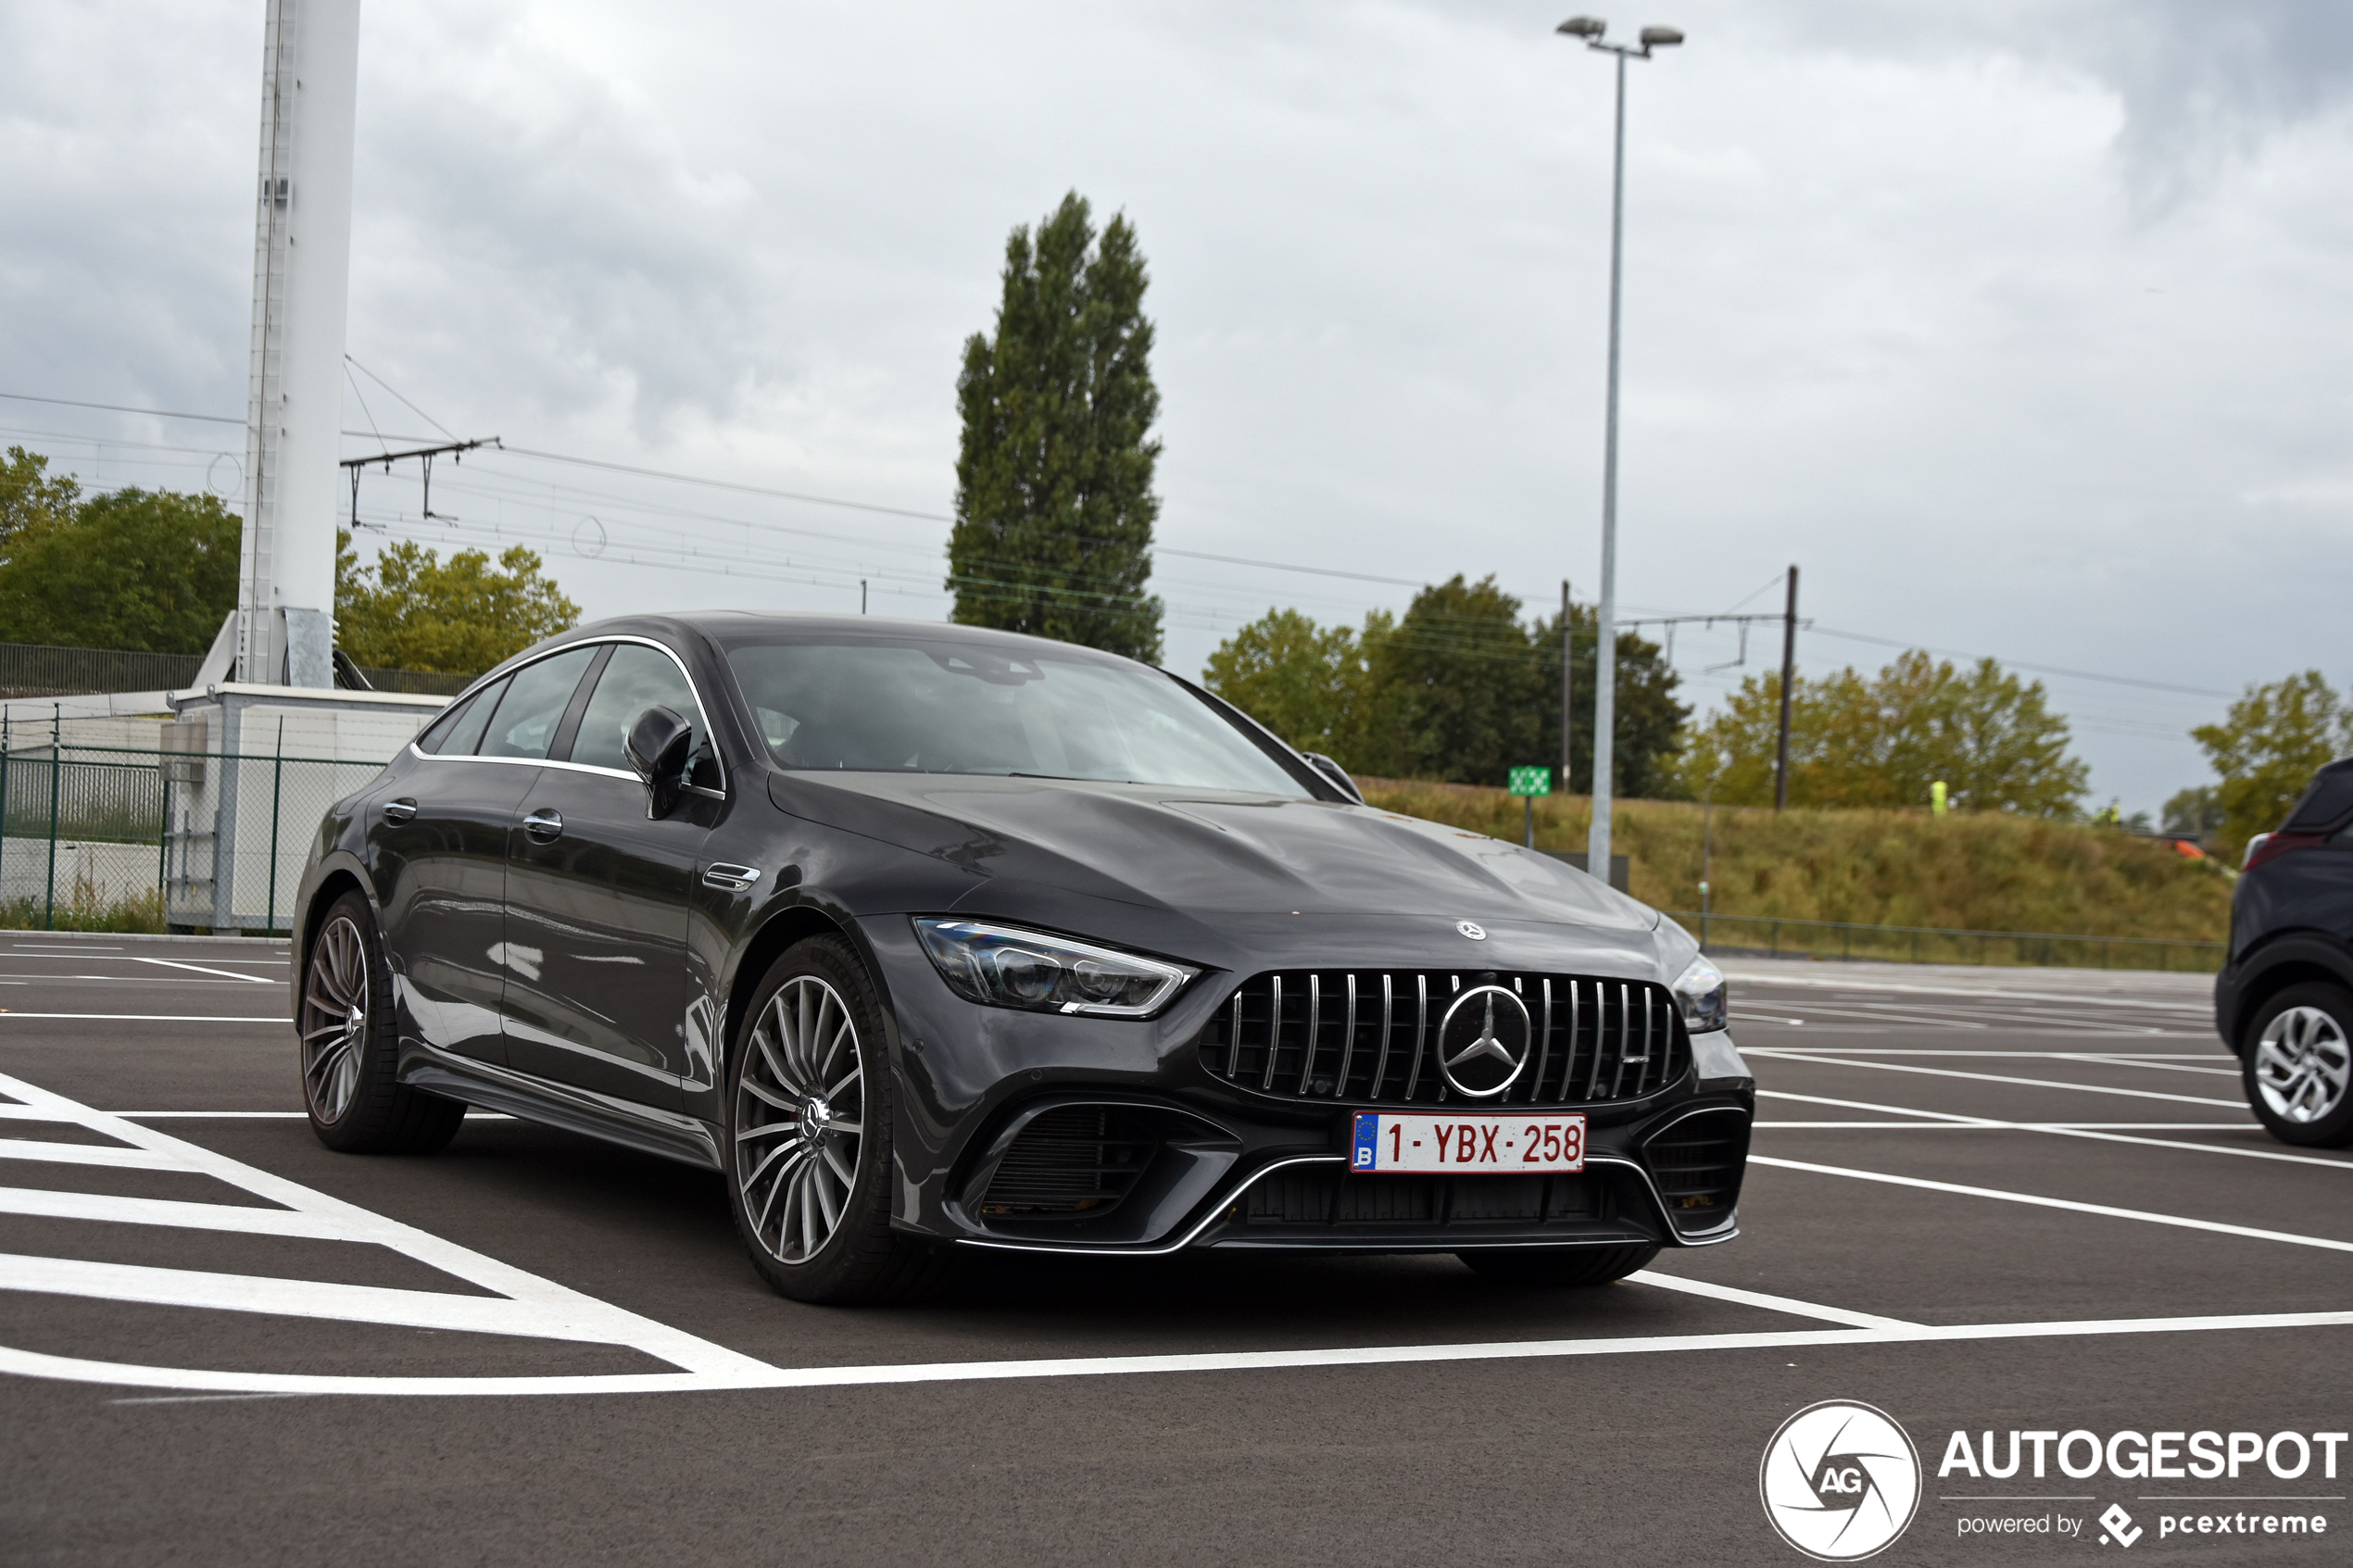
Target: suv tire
(2297, 1065)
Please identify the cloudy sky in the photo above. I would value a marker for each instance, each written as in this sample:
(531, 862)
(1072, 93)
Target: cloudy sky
(2022, 327)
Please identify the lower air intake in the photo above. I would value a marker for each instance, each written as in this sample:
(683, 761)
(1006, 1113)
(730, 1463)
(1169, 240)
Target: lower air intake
(1072, 1162)
(1696, 1163)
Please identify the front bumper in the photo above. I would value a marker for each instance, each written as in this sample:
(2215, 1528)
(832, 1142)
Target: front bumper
(998, 1107)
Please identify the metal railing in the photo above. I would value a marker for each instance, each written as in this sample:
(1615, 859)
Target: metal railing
(29, 670)
(1778, 936)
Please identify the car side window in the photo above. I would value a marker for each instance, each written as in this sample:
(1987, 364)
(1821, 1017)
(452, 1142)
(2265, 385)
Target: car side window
(636, 677)
(459, 731)
(534, 704)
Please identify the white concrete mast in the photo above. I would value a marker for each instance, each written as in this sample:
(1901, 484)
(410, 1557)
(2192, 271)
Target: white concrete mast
(301, 277)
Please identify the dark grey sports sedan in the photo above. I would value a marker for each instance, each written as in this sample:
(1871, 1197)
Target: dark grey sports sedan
(929, 937)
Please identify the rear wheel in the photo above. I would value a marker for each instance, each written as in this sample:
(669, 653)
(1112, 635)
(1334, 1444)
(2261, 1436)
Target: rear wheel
(808, 1099)
(350, 1048)
(1558, 1266)
(2299, 1064)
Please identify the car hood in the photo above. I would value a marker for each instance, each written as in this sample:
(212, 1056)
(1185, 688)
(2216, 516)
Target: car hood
(1211, 851)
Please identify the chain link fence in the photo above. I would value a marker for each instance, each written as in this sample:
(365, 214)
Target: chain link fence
(1773, 936)
(100, 832)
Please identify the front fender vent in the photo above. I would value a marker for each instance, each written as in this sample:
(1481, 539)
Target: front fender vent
(1370, 1038)
(1697, 1163)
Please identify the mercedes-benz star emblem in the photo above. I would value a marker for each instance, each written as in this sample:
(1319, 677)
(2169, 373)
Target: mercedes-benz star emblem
(1471, 929)
(1483, 1041)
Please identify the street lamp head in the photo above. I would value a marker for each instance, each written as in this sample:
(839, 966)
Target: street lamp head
(1583, 27)
(1661, 37)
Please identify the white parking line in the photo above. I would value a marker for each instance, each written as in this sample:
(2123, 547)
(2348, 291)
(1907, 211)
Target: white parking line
(2204, 1010)
(2071, 1205)
(152, 1017)
(756, 1375)
(2102, 1131)
(88, 1154)
(1780, 1054)
(41, 1203)
(1770, 1303)
(200, 968)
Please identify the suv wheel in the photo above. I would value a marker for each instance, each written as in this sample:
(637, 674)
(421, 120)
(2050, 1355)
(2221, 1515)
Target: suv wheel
(808, 1149)
(2298, 1065)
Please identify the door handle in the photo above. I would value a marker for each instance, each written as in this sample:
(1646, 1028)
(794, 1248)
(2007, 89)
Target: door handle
(401, 810)
(544, 826)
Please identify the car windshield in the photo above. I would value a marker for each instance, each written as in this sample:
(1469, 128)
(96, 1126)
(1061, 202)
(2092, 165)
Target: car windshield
(921, 705)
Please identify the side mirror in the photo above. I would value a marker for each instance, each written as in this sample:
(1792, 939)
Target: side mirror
(657, 746)
(1336, 774)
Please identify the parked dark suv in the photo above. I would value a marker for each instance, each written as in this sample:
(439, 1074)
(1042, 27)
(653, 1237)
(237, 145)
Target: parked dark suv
(2285, 998)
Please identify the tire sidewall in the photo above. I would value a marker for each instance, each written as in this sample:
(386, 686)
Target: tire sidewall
(2331, 1131)
(823, 1276)
(378, 1046)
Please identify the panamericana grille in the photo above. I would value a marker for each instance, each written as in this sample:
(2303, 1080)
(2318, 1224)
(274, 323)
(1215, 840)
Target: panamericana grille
(1697, 1164)
(1371, 1036)
(1071, 1161)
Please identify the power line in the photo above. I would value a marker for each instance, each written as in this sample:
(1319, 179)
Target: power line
(121, 408)
(2037, 669)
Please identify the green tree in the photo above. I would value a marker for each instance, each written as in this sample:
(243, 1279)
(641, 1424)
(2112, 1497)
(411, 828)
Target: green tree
(1054, 503)
(1301, 681)
(412, 610)
(151, 570)
(1650, 721)
(28, 496)
(1881, 741)
(2267, 748)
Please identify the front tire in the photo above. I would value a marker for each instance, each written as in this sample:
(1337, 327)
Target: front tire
(349, 1045)
(1556, 1267)
(2298, 1063)
(808, 1147)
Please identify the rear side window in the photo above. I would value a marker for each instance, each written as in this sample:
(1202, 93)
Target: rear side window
(459, 731)
(536, 696)
(635, 678)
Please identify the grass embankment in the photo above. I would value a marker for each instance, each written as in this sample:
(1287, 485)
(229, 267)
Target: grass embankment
(1972, 871)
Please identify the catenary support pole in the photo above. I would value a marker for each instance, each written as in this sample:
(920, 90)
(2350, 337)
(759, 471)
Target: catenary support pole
(1789, 676)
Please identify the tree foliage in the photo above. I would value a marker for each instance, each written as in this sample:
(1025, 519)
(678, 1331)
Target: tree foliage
(1054, 504)
(1880, 741)
(412, 610)
(150, 571)
(1458, 690)
(2267, 748)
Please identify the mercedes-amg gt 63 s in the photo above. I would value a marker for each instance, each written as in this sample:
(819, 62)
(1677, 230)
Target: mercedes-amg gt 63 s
(927, 938)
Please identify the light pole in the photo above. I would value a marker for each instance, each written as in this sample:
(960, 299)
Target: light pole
(1591, 30)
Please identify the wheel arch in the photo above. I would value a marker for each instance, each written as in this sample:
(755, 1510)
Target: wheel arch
(334, 880)
(795, 923)
(2295, 961)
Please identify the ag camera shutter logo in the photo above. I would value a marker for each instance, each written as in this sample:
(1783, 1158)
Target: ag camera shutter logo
(1840, 1481)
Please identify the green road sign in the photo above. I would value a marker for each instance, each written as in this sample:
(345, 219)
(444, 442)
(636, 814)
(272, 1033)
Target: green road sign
(1531, 781)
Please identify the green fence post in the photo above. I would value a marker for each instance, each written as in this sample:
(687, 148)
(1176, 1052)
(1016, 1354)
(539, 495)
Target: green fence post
(277, 794)
(163, 844)
(57, 755)
(4, 796)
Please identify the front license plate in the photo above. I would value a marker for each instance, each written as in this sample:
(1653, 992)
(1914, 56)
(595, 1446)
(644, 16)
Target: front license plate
(1466, 1145)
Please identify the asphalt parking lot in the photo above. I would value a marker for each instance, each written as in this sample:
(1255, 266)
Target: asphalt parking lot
(1981, 1200)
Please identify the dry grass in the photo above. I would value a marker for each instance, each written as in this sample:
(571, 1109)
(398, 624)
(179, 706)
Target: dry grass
(1976, 871)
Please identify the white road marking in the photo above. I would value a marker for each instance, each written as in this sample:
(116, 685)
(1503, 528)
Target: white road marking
(2071, 1205)
(2122, 1058)
(1770, 1303)
(152, 1017)
(254, 1115)
(88, 1154)
(526, 1304)
(1912, 988)
(756, 1375)
(2101, 1132)
(1970, 1124)
(43, 1203)
(200, 968)
(1783, 1054)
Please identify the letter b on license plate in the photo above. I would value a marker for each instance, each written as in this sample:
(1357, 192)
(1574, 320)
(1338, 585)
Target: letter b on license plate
(1417, 1141)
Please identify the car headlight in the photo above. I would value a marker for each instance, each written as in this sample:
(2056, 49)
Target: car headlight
(1700, 991)
(1004, 966)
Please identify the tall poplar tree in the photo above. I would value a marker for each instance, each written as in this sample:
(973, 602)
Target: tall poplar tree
(1054, 503)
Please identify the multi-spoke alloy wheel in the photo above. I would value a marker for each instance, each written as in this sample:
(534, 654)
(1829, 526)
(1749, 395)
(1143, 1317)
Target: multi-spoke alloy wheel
(349, 1050)
(808, 1143)
(801, 1103)
(2300, 1065)
(335, 1018)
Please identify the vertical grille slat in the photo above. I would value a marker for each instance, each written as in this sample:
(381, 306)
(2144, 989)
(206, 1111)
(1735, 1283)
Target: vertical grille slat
(1590, 1041)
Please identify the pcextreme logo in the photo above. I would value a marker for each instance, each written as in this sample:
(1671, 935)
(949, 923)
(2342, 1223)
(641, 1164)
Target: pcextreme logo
(1840, 1481)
